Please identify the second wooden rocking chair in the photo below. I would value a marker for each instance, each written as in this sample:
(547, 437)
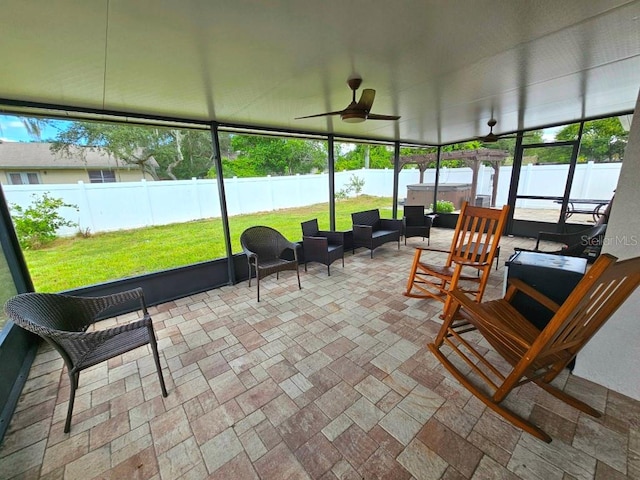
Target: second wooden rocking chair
(526, 354)
(473, 248)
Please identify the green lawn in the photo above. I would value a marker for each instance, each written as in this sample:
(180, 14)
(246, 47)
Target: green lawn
(75, 262)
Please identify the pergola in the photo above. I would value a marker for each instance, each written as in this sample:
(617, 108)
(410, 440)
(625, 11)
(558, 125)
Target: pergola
(472, 158)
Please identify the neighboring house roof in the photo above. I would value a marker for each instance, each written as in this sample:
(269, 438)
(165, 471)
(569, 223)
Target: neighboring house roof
(38, 155)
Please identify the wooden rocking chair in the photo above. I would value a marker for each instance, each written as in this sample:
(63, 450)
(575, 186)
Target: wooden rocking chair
(532, 355)
(474, 246)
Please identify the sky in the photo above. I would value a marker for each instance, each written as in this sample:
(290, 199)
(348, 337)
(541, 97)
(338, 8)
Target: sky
(12, 130)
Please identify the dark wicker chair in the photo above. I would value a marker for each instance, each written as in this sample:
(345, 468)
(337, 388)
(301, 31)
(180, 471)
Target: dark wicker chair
(415, 223)
(370, 231)
(585, 243)
(63, 321)
(321, 246)
(264, 248)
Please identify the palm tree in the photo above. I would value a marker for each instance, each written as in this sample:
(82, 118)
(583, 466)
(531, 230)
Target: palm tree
(33, 126)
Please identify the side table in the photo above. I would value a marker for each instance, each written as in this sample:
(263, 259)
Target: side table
(552, 275)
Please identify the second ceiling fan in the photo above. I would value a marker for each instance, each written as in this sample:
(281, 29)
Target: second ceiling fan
(359, 111)
(494, 137)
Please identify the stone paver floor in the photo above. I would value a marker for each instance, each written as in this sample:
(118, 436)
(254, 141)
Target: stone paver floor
(330, 382)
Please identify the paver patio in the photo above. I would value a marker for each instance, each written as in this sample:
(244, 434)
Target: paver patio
(329, 382)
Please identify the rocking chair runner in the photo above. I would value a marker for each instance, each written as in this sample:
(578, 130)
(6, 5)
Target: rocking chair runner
(474, 245)
(533, 355)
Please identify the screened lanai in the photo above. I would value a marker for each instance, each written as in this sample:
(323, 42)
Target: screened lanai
(252, 68)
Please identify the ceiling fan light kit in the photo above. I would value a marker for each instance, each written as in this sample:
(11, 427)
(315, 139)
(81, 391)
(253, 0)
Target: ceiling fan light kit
(357, 112)
(353, 117)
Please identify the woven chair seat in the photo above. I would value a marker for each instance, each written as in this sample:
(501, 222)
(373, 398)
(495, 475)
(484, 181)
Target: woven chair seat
(267, 267)
(118, 344)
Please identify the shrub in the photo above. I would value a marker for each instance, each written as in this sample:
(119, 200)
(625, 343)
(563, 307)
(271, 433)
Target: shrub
(355, 185)
(443, 206)
(37, 224)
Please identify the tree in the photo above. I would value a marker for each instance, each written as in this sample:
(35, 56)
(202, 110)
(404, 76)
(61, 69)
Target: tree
(257, 155)
(178, 154)
(377, 156)
(190, 155)
(602, 140)
(32, 125)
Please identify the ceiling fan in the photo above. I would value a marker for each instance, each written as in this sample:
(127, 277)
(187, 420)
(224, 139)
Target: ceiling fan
(359, 111)
(493, 137)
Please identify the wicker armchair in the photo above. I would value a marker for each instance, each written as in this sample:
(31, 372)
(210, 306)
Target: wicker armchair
(322, 246)
(264, 247)
(415, 223)
(586, 243)
(63, 321)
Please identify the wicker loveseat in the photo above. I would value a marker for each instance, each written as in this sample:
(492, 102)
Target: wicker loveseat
(370, 231)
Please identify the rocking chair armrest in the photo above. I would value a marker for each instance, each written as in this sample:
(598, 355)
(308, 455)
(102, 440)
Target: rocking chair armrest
(517, 284)
(431, 249)
(461, 298)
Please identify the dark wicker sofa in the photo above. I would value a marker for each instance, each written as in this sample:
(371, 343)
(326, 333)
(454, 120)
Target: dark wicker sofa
(370, 231)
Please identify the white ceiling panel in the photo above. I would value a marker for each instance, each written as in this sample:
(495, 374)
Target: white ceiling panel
(445, 67)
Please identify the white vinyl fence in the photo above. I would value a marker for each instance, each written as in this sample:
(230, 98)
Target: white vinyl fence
(106, 207)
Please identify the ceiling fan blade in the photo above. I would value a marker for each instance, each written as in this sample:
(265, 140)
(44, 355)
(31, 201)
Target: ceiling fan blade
(366, 99)
(488, 139)
(321, 115)
(494, 138)
(375, 116)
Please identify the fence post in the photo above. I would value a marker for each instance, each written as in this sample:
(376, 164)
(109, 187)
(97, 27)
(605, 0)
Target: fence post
(298, 192)
(231, 187)
(528, 173)
(194, 182)
(86, 206)
(147, 198)
(271, 199)
(586, 180)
